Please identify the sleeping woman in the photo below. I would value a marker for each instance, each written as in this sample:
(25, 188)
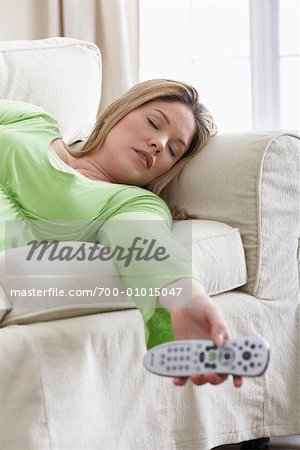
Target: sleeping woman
(116, 186)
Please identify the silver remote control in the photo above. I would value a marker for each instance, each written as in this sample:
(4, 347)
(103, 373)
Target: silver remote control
(245, 356)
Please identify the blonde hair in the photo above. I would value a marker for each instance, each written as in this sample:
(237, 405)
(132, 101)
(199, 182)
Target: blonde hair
(138, 95)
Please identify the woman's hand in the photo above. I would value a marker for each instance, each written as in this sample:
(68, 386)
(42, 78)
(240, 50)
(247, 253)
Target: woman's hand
(199, 319)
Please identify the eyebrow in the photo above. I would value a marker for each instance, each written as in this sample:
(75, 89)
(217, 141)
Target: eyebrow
(168, 122)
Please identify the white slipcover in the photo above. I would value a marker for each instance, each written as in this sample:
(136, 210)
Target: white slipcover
(79, 383)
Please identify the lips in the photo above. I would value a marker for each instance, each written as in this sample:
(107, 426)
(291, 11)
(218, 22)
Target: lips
(145, 156)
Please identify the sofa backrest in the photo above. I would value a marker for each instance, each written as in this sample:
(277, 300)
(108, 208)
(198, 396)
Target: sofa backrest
(61, 75)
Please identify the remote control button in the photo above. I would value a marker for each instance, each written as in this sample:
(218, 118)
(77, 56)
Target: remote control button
(246, 355)
(226, 356)
(245, 368)
(210, 366)
(202, 357)
(211, 347)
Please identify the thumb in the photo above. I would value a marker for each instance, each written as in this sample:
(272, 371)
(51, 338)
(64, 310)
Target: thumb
(218, 335)
(218, 331)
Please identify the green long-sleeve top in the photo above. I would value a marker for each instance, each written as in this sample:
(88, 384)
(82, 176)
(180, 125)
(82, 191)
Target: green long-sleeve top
(47, 202)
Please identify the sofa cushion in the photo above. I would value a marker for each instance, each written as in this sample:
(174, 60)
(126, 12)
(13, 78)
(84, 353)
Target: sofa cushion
(71, 288)
(217, 252)
(61, 75)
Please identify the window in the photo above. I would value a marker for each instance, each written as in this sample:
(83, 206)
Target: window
(289, 64)
(229, 50)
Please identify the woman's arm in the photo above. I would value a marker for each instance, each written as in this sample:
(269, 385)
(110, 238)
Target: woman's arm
(166, 317)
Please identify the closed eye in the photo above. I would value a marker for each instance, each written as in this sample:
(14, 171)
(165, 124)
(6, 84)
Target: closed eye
(153, 124)
(156, 127)
(172, 152)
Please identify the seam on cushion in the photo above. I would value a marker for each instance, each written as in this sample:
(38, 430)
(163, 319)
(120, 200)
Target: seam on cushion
(262, 386)
(217, 236)
(55, 47)
(212, 293)
(228, 433)
(209, 222)
(9, 307)
(258, 298)
(259, 204)
(36, 354)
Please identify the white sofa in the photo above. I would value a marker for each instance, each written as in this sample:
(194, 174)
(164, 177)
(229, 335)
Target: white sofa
(71, 375)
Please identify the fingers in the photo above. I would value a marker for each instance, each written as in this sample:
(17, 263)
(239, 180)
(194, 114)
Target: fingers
(180, 381)
(211, 378)
(237, 381)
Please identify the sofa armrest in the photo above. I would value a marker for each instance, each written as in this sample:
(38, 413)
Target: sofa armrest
(251, 182)
(61, 75)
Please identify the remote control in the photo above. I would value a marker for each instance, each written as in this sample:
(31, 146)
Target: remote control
(244, 356)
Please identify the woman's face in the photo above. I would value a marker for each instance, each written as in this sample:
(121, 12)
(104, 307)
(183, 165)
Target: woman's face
(147, 142)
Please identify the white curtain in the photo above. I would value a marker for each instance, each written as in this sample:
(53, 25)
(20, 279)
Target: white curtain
(111, 24)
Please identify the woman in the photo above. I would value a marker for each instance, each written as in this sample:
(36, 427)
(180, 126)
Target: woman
(120, 177)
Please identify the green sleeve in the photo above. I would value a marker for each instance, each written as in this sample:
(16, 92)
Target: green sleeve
(24, 129)
(147, 220)
(29, 119)
(12, 111)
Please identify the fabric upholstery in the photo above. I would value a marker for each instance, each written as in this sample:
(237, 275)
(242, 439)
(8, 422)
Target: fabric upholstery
(216, 249)
(251, 181)
(79, 383)
(67, 80)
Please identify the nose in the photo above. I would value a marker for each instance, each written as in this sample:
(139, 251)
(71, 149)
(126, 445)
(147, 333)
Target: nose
(156, 145)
